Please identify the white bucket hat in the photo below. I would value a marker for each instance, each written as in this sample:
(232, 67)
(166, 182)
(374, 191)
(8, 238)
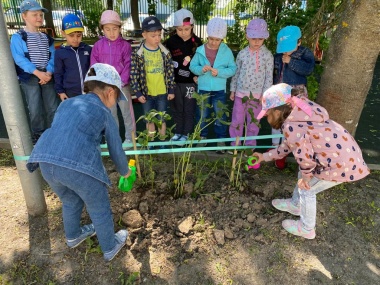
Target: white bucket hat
(217, 28)
(107, 74)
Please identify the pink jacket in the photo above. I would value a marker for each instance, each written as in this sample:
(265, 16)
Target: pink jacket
(116, 53)
(321, 147)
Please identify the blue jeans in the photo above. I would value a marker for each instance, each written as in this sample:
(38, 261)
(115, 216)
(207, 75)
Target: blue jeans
(307, 199)
(214, 96)
(42, 100)
(158, 103)
(75, 190)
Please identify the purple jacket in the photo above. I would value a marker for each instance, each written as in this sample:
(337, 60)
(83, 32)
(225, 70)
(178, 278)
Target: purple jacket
(321, 147)
(116, 53)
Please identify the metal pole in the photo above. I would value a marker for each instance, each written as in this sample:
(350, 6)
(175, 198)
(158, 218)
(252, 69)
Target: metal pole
(17, 125)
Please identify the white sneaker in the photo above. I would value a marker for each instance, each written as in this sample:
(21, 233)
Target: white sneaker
(127, 141)
(176, 137)
(221, 151)
(202, 144)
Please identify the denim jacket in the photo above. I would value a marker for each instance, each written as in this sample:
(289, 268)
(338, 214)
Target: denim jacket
(74, 138)
(295, 72)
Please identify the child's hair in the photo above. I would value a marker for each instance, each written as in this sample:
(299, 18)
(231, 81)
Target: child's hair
(285, 112)
(90, 86)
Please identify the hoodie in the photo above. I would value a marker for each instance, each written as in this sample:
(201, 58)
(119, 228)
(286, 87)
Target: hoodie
(116, 53)
(321, 147)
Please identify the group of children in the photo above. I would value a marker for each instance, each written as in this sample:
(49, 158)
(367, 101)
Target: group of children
(157, 73)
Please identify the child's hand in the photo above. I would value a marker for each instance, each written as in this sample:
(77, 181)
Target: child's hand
(214, 72)
(232, 96)
(303, 183)
(259, 156)
(170, 97)
(128, 174)
(206, 68)
(286, 58)
(63, 96)
(195, 78)
(44, 77)
(142, 99)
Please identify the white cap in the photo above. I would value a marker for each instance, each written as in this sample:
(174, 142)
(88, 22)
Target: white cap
(182, 14)
(217, 28)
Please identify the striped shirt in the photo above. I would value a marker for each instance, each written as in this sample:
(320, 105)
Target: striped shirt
(38, 47)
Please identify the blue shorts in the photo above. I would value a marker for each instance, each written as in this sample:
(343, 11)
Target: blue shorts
(158, 103)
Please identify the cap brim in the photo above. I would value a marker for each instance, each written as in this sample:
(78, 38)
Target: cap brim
(261, 114)
(38, 9)
(122, 96)
(69, 31)
(155, 29)
(286, 46)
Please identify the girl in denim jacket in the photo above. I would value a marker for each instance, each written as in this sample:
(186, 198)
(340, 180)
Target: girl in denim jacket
(70, 161)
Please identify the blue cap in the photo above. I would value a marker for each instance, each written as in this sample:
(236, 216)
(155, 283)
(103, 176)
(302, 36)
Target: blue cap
(71, 23)
(151, 24)
(287, 39)
(31, 5)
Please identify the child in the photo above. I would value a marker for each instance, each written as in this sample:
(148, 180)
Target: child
(72, 60)
(326, 153)
(114, 50)
(152, 74)
(71, 163)
(254, 75)
(182, 45)
(213, 62)
(33, 53)
(292, 64)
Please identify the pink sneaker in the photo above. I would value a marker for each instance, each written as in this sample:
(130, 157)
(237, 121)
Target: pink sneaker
(286, 205)
(295, 228)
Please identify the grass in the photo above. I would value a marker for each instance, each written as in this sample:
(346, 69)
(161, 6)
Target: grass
(6, 158)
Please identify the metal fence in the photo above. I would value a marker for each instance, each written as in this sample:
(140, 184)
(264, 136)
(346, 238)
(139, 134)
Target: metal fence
(90, 11)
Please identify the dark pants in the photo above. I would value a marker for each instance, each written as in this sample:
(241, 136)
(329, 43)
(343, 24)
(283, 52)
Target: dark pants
(183, 108)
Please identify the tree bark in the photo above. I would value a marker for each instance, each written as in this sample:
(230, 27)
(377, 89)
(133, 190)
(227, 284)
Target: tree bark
(135, 14)
(109, 4)
(48, 16)
(350, 64)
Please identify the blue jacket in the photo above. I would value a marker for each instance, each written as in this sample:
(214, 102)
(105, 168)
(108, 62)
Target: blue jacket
(70, 68)
(20, 53)
(74, 138)
(224, 63)
(295, 72)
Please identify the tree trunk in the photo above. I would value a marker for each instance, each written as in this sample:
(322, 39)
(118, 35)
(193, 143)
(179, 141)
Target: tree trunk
(351, 60)
(135, 14)
(48, 17)
(109, 4)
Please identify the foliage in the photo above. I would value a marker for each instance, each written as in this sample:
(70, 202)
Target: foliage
(92, 18)
(6, 158)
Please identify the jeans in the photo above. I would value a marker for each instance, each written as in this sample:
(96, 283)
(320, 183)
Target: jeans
(307, 199)
(75, 190)
(205, 112)
(240, 115)
(158, 103)
(42, 100)
(127, 113)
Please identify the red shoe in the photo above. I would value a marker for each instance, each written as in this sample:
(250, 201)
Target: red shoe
(280, 163)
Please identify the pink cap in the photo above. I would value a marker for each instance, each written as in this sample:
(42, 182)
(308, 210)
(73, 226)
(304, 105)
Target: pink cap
(275, 96)
(110, 17)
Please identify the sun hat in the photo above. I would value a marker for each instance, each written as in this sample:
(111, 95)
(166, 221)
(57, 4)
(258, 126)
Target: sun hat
(151, 24)
(275, 96)
(281, 94)
(110, 17)
(107, 74)
(31, 5)
(257, 29)
(287, 39)
(217, 28)
(181, 15)
(71, 23)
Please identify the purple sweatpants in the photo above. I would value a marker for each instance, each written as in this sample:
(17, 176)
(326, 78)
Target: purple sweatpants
(240, 114)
